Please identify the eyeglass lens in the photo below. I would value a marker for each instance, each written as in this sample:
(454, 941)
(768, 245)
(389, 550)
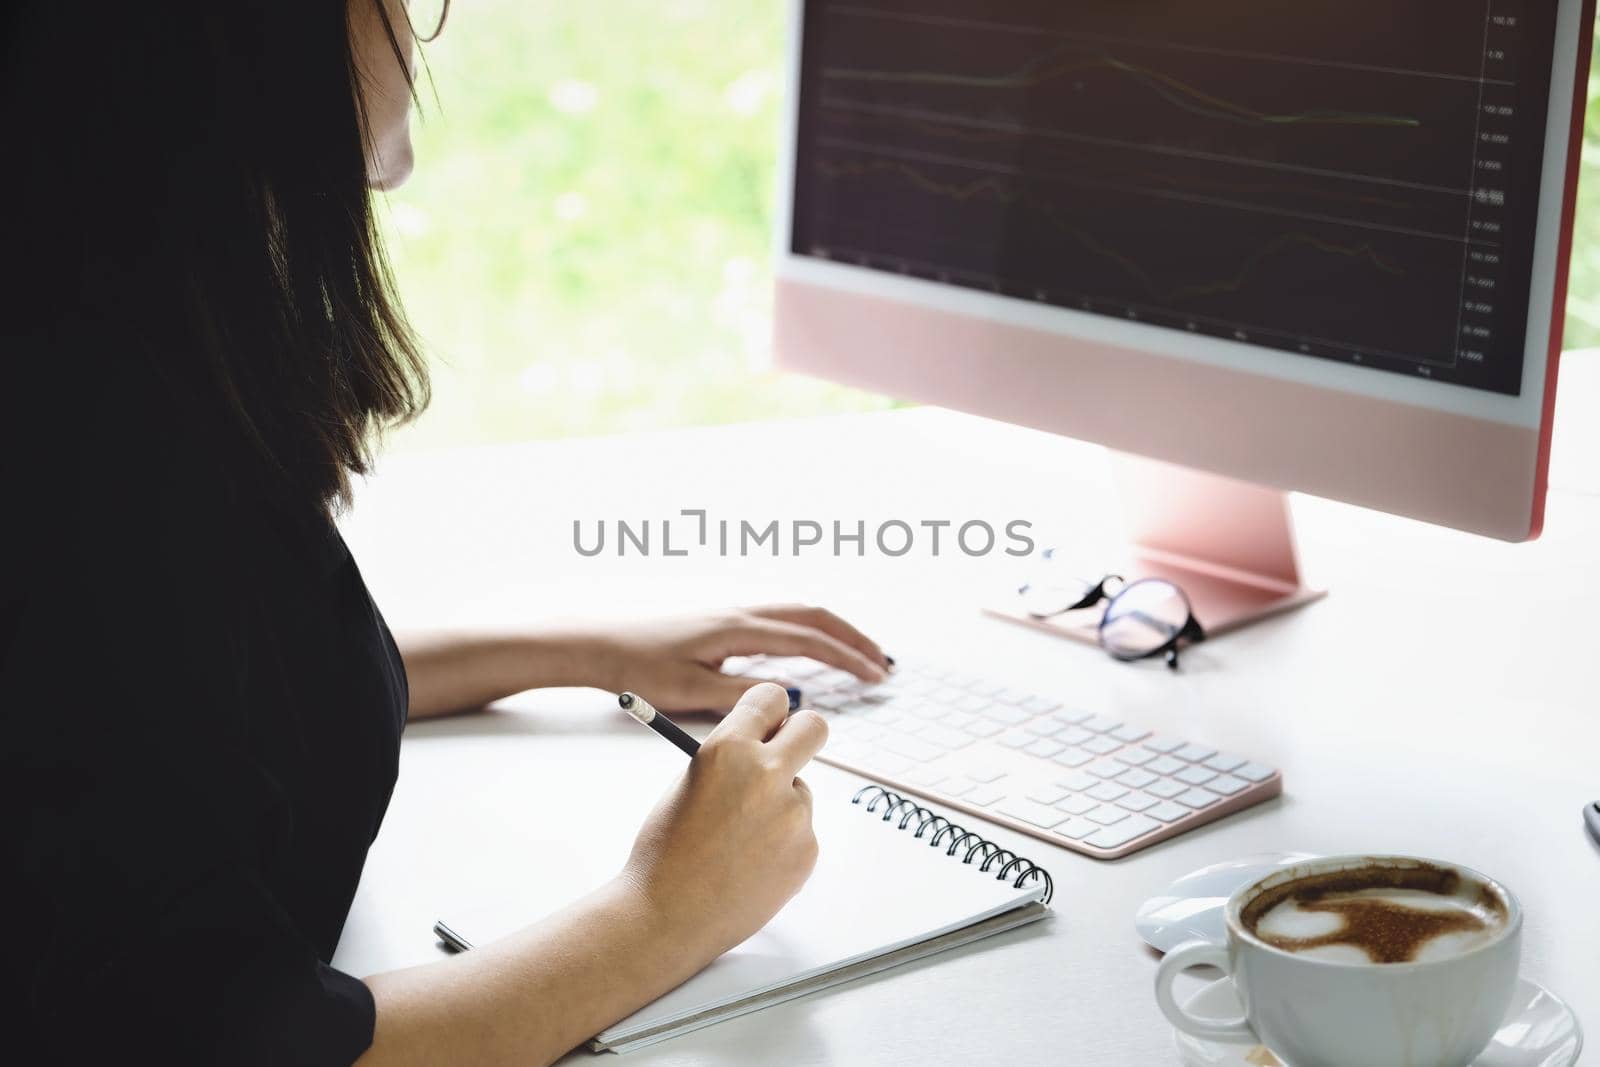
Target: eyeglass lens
(1144, 617)
(1054, 595)
(427, 17)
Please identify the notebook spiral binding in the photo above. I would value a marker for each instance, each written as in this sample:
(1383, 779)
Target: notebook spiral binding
(928, 821)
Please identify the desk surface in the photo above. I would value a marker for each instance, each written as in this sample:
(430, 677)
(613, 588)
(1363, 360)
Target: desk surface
(1442, 701)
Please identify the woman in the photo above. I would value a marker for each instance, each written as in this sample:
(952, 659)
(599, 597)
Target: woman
(201, 704)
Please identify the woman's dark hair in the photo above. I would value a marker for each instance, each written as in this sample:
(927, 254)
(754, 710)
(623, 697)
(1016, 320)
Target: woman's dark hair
(189, 177)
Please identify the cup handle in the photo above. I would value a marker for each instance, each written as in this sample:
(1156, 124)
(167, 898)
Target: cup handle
(1195, 954)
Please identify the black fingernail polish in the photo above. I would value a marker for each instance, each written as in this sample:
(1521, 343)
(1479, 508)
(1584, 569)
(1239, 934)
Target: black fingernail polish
(888, 659)
(794, 697)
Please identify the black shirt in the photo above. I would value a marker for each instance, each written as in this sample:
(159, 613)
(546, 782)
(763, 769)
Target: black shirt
(201, 718)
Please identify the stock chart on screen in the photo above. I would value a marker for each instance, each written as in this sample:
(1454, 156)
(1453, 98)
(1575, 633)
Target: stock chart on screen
(1352, 180)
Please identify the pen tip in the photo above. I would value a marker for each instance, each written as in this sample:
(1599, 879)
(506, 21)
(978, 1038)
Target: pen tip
(625, 701)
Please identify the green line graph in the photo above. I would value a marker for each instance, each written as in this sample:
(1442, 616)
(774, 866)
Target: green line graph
(1180, 94)
(999, 191)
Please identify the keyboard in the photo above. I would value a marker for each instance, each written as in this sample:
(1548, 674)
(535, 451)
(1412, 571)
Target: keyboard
(1045, 766)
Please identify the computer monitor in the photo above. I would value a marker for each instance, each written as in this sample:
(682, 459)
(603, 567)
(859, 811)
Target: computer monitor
(1318, 246)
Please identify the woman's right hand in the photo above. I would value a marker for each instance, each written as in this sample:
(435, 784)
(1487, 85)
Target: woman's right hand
(732, 841)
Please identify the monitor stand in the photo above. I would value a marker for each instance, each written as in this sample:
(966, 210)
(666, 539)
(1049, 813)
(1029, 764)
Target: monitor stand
(1229, 545)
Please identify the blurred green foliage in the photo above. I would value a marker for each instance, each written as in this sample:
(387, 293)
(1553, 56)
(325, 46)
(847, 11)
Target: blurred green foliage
(586, 243)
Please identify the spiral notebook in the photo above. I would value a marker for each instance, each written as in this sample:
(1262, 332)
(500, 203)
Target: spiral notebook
(951, 887)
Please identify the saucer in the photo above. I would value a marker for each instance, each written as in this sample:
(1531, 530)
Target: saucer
(1190, 909)
(1539, 1031)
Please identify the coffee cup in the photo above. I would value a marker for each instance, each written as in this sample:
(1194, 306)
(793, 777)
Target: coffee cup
(1382, 961)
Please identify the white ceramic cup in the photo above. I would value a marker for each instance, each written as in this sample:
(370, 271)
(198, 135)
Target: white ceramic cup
(1319, 1013)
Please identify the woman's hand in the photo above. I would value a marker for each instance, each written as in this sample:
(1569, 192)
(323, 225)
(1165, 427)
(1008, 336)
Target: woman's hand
(723, 851)
(732, 841)
(676, 663)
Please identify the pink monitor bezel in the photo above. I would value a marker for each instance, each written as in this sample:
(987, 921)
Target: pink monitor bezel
(1461, 470)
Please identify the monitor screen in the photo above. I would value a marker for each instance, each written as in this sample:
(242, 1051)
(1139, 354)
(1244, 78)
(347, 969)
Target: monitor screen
(1353, 181)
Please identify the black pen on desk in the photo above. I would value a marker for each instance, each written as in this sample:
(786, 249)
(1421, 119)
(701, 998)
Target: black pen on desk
(640, 709)
(1591, 817)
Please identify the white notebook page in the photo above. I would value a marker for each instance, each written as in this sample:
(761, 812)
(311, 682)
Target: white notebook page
(875, 888)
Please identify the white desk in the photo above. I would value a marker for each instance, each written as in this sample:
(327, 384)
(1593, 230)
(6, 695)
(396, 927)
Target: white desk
(1443, 700)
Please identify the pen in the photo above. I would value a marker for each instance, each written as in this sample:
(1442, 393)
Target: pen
(640, 709)
(1591, 815)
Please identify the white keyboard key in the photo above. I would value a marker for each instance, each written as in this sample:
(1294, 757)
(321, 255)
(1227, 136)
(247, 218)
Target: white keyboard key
(955, 787)
(1073, 757)
(1195, 775)
(1017, 738)
(1225, 761)
(943, 736)
(987, 688)
(1047, 794)
(1043, 726)
(1108, 791)
(883, 716)
(972, 704)
(910, 747)
(926, 777)
(1077, 828)
(946, 695)
(1029, 812)
(1197, 797)
(1013, 697)
(1137, 801)
(1073, 716)
(1137, 778)
(1040, 706)
(848, 751)
(1165, 788)
(1165, 765)
(985, 795)
(1076, 804)
(1107, 768)
(1101, 745)
(1130, 734)
(1077, 781)
(1253, 772)
(1005, 715)
(1072, 735)
(1131, 827)
(1101, 724)
(1195, 753)
(985, 772)
(1227, 785)
(1044, 748)
(883, 764)
(1136, 756)
(959, 720)
(1167, 811)
(1162, 744)
(983, 728)
(1105, 814)
(833, 678)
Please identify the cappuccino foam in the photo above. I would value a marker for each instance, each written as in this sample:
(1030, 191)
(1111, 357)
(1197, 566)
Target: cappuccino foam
(1378, 914)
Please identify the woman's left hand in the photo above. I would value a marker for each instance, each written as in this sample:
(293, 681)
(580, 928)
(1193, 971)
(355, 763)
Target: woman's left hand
(676, 662)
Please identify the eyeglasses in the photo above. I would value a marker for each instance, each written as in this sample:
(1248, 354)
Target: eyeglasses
(427, 18)
(1142, 619)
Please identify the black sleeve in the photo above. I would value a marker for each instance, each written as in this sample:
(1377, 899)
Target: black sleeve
(146, 830)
